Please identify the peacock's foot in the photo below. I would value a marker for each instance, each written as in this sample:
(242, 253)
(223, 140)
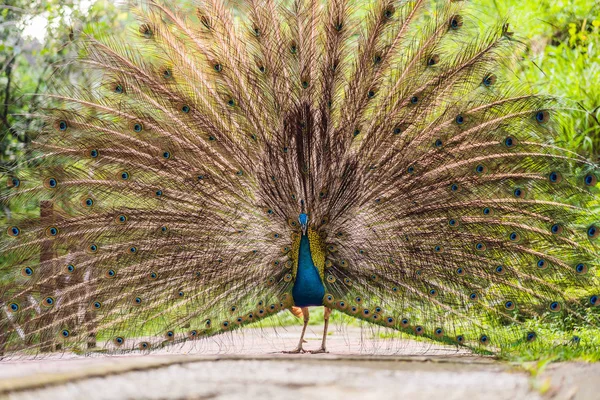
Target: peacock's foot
(320, 351)
(297, 350)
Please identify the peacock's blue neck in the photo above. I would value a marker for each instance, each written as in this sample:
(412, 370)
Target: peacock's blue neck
(308, 287)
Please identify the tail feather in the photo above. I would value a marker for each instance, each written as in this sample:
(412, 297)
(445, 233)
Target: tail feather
(170, 189)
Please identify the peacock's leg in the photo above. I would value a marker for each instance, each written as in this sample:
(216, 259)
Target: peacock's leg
(299, 349)
(326, 318)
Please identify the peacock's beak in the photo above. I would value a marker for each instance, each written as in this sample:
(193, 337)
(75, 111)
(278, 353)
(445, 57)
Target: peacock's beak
(304, 228)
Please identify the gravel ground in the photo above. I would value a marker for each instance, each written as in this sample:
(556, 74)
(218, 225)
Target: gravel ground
(245, 365)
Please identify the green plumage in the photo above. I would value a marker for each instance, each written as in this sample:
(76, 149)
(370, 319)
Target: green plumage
(169, 192)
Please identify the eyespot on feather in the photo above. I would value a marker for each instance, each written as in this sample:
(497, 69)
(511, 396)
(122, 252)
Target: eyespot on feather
(489, 80)
(456, 21)
(61, 125)
(554, 177)
(593, 232)
(555, 306)
(146, 31)
(590, 180)
(51, 183)
(542, 117)
(136, 126)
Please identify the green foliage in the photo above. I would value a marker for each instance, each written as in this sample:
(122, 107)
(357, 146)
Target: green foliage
(563, 59)
(28, 66)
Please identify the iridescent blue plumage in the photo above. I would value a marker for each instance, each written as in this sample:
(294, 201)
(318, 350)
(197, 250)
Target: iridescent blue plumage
(308, 288)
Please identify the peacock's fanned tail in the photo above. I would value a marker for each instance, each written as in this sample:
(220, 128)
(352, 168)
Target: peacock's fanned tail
(162, 202)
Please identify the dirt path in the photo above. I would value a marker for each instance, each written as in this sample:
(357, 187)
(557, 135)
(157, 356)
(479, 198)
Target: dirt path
(246, 365)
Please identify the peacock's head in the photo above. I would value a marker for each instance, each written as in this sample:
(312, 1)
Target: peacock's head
(303, 221)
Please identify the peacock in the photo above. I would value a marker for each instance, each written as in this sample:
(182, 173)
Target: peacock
(240, 161)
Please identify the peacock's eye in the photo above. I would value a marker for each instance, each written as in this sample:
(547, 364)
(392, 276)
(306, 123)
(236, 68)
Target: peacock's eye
(489, 80)
(456, 22)
(542, 117)
(590, 180)
(146, 31)
(518, 192)
(581, 268)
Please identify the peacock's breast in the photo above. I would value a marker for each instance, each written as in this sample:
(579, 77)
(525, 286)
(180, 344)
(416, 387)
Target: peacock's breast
(308, 287)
